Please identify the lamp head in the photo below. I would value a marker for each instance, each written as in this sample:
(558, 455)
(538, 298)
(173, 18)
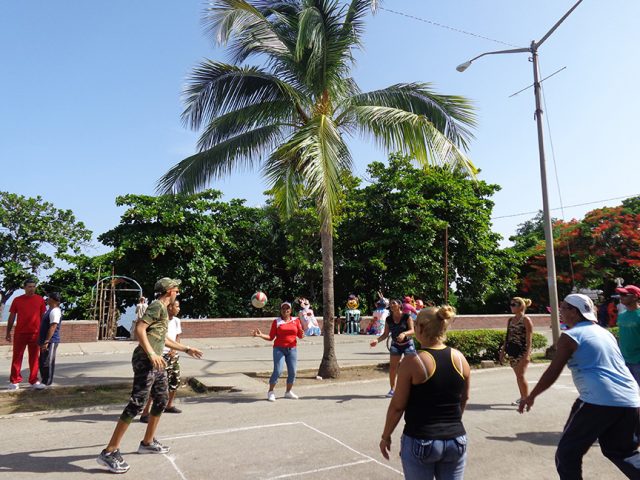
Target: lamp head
(463, 66)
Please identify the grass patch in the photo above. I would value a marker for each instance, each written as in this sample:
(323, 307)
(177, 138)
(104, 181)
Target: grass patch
(63, 398)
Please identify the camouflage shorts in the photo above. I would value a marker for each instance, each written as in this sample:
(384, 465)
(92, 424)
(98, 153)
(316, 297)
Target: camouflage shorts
(173, 371)
(146, 381)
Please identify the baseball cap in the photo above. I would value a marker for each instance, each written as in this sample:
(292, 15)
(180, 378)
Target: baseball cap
(165, 284)
(582, 303)
(629, 289)
(283, 304)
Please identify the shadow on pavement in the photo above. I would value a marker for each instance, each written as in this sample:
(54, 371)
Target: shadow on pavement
(39, 462)
(84, 418)
(547, 439)
(340, 398)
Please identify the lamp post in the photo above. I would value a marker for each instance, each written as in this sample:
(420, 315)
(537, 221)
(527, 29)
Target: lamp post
(548, 232)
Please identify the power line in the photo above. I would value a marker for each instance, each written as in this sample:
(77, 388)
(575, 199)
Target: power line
(527, 88)
(446, 27)
(566, 206)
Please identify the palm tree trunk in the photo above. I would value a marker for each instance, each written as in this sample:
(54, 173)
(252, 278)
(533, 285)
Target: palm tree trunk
(329, 366)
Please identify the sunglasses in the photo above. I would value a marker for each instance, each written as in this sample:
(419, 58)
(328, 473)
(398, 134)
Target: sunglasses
(514, 304)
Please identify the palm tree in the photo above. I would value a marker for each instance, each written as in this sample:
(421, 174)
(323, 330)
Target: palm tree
(289, 113)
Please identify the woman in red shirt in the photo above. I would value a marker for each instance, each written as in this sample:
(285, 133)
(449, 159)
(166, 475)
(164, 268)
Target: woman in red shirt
(285, 330)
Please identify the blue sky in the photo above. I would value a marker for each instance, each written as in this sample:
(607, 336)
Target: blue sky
(90, 95)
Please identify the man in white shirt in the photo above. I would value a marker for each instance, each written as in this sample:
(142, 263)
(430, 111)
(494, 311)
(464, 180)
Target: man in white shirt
(49, 338)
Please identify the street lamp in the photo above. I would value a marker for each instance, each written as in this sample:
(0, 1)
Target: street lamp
(548, 233)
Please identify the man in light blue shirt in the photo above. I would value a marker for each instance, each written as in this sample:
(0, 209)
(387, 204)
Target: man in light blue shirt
(608, 408)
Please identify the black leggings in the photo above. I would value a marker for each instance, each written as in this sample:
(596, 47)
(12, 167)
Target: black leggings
(615, 428)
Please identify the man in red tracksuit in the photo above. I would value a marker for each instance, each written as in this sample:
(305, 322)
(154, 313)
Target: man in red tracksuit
(28, 309)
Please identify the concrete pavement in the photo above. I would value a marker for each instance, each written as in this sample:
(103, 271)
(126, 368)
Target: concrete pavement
(223, 365)
(333, 430)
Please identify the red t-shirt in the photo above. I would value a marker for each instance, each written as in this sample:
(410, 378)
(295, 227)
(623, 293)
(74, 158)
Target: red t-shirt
(286, 333)
(29, 311)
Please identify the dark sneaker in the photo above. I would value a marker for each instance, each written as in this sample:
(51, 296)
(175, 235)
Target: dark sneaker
(113, 461)
(153, 447)
(144, 418)
(172, 409)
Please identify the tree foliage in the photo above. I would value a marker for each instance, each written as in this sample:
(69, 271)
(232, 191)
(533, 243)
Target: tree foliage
(176, 236)
(391, 236)
(590, 253)
(33, 234)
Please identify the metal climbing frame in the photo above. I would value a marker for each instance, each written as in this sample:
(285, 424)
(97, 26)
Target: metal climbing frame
(104, 306)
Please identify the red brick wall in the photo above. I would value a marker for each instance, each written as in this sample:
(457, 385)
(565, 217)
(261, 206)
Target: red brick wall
(87, 330)
(72, 331)
(241, 327)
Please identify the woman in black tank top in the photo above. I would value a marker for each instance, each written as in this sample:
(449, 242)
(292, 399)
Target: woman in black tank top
(517, 343)
(434, 441)
(399, 326)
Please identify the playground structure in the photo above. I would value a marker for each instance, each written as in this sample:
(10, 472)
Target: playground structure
(105, 295)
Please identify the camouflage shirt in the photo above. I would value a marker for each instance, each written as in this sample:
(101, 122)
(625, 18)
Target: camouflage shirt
(157, 320)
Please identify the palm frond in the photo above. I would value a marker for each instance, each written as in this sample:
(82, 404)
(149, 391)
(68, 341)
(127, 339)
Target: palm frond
(243, 150)
(287, 185)
(353, 25)
(215, 88)
(316, 152)
(451, 115)
(245, 29)
(245, 119)
(410, 133)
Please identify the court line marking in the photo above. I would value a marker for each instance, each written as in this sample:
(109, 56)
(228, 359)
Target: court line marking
(256, 427)
(350, 448)
(172, 461)
(228, 430)
(308, 472)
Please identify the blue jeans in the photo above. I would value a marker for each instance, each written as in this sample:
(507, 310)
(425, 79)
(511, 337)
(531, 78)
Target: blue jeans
(424, 459)
(280, 356)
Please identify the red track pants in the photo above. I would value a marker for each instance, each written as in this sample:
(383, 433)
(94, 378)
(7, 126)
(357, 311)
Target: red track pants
(20, 342)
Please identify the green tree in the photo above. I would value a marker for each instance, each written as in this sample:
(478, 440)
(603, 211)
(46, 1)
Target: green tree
(33, 235)
(76, 283)
(290, 115)
(392, 234)
(172, 235)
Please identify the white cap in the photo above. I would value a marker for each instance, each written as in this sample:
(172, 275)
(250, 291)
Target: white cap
(582, 303)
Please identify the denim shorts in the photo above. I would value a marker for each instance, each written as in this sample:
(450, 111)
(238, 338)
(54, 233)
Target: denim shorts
(425, 458)
(407, 348)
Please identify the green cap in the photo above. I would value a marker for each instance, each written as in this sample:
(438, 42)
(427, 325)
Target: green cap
(165, 284)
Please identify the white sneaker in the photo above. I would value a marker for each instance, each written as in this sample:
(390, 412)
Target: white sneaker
(291, 395)
(39, 386)
(271, 396)
(13, 386)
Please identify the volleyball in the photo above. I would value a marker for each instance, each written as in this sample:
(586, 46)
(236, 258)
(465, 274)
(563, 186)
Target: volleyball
(259, 299)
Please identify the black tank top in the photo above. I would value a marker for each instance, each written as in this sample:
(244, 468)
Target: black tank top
(433, 410)
(396, 329)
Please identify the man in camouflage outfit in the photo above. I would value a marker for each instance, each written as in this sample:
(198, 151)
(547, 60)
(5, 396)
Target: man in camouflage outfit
(149, 377)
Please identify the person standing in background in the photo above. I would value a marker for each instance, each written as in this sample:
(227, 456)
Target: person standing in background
(629, 328)
(141, 308)
(49, 339)
(28, 310)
